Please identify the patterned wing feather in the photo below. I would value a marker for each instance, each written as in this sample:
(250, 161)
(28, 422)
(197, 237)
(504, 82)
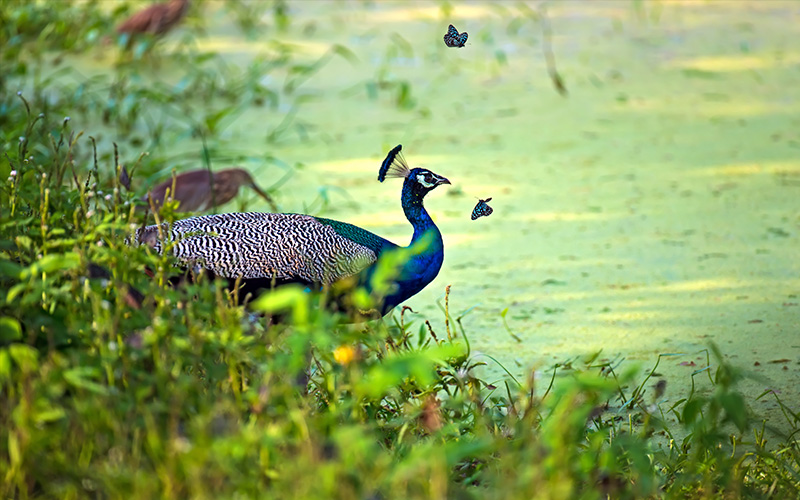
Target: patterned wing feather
(265, 245)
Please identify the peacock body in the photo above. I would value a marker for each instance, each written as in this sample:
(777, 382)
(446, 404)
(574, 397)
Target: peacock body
(264, 249)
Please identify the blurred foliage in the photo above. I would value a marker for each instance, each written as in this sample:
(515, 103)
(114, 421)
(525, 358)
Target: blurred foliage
(137, 105)
(30, 28)
(178, 393)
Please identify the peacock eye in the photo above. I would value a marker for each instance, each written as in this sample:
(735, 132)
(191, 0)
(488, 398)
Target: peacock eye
(427, 179)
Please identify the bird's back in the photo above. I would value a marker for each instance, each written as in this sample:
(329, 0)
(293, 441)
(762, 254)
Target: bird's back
(289, 247)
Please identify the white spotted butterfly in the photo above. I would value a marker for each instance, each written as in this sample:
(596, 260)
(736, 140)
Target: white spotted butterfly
(482, 209)
(455, 39)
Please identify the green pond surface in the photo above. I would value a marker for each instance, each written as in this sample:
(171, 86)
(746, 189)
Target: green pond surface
(654, 209)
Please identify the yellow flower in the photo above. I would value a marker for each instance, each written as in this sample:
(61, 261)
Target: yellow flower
(344, 355)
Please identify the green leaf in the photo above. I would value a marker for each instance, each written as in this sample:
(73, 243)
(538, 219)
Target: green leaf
(10, 329)
(80, 377)
(14, 291)
(362, 300)
(5, 366)
(692, 410)
(13, 450)
(10, 269)
(51, 263)
(23, 242)
(735, 409)
(213, 119)
(418, 366)
(344, 52)
(48, 414)
(25, 357)
(286, 298)
(278, 300)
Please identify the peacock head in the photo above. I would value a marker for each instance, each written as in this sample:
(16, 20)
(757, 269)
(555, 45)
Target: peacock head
(419, 180)
(423, 180)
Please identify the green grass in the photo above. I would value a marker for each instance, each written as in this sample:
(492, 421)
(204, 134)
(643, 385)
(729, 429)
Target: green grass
(187, 395)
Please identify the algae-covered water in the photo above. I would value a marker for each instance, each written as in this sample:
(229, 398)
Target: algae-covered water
(653, 209)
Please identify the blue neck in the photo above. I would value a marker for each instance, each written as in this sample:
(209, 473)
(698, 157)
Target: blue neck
(416, 213)
(423, 267)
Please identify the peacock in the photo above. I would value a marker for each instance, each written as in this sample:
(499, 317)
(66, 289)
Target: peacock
(262, 250)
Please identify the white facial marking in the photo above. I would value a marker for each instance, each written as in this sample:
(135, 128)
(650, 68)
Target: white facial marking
(421, 180)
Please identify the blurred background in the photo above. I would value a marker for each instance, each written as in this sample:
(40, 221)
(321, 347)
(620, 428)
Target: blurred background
(643, 157)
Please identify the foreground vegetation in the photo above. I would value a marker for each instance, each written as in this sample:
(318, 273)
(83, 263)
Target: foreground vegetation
(183, 394)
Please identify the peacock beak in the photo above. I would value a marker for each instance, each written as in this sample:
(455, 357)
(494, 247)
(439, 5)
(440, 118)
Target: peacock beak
(443, 180)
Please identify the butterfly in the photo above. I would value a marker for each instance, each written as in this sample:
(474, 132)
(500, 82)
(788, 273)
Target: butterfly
(482, 209)
(455, 39)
